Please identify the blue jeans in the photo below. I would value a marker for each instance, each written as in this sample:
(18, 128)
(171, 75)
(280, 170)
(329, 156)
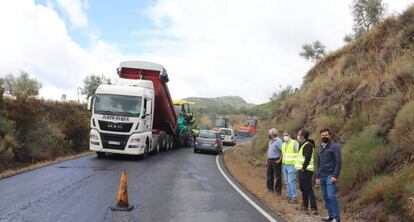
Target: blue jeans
(328, 190)
(289, 175)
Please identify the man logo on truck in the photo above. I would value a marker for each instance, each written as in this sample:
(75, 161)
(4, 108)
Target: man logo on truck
(116, 118)
(114, 126)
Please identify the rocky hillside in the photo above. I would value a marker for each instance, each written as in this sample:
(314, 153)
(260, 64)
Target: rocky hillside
(363, 92)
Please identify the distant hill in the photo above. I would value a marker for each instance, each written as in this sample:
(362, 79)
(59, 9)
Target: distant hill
(220, 105)
(234, 108)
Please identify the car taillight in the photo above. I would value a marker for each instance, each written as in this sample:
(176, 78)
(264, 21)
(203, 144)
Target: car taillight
(217, 142)
(155, 131)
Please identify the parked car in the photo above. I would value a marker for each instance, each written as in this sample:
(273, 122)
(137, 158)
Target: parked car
(208, 140)
(228, 136)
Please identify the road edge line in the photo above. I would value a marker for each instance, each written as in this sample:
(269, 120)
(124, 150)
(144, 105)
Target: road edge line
(247, 198)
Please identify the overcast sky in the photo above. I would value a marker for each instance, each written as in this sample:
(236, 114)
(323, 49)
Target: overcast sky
(209, 47)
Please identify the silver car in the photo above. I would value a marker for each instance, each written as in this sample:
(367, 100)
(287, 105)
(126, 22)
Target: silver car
(208, 140)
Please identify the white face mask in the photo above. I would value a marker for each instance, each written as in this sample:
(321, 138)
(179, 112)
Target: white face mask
(286, 138)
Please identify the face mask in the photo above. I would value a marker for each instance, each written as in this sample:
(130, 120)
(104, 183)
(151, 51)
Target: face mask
(286, 138)
(325, 140)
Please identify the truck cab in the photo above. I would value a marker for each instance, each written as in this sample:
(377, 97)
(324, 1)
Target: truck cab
(122, 118)
(134, 115)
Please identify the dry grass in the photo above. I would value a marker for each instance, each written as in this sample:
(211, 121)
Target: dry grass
(9, 173)
(253, 179)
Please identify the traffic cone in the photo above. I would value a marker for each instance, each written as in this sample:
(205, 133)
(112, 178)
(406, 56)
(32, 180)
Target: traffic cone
(122, 199)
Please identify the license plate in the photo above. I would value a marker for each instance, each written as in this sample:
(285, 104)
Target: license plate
(114, 143)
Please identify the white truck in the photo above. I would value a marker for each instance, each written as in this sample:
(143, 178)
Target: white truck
(135, 115)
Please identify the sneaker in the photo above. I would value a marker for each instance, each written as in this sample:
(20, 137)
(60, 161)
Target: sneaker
(328, 219)
(314, 211)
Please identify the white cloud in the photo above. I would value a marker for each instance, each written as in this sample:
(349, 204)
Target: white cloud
(38, 42)
(245, 47)
(75, 10)
(210, 48)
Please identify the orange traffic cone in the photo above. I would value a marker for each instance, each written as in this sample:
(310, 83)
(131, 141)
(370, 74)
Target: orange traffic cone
(122, 200)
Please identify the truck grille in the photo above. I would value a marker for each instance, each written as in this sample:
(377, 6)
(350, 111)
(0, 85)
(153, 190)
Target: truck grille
(116, 127)
(114, 142)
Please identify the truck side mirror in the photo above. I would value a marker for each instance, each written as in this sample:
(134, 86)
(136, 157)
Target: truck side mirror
(90, 99)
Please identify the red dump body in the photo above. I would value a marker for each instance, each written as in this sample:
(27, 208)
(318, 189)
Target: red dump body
(165, 117)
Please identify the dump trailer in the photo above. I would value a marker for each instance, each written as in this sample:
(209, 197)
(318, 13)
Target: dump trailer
(135, 115)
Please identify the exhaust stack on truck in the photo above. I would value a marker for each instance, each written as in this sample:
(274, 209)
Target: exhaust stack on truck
(135, 115)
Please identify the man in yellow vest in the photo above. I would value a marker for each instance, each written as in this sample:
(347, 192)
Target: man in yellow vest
(289, 153)
(304, 165)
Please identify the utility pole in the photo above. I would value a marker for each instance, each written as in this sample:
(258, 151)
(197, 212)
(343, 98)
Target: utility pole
(77, 90)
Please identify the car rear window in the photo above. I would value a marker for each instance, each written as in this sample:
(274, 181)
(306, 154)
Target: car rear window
(207, 134)
(225, 132)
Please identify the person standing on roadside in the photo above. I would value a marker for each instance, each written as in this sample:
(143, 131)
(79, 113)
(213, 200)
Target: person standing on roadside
(328, 169)
(304, 166)
(273, 162)
(289, 152)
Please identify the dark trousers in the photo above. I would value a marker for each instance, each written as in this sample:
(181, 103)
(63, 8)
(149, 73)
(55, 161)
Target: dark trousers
(274, 172)
(305, 185)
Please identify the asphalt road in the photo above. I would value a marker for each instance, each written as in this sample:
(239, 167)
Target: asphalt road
(176, 185)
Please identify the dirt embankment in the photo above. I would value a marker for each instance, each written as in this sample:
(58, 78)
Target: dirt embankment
(253, 178)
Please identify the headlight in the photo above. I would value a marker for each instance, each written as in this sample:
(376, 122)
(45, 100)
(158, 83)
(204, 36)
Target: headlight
(93, 136)
(135, 140)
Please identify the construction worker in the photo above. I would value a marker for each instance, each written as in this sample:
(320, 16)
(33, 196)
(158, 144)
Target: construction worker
(328, 169)
(290, 149)
(304, 166)
(274, 162)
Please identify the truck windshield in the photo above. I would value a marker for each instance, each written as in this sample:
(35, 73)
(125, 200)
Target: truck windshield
(221, 122)
(118, 105)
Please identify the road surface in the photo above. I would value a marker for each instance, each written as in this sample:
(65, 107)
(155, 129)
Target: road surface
(176, 185)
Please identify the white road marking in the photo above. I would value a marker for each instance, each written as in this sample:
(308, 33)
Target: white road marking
(258, 208)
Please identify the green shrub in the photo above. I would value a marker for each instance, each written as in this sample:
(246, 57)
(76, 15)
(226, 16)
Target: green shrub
(362, 155)
(7, 144)
(403, 134)
(76, 130)
(382, 188)
(46, 141)
(295, 122)
(332, 122)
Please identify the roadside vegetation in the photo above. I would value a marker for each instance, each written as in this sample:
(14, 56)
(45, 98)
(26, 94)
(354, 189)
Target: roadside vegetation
(234, 108)
(364, 92)
(34, 130)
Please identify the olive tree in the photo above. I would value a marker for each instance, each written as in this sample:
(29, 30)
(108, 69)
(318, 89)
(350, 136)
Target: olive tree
(22, 86)
(313, 52)
(91, 83)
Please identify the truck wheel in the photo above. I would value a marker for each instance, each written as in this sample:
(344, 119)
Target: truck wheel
(157, 149)
(100, 155)
(146, 150)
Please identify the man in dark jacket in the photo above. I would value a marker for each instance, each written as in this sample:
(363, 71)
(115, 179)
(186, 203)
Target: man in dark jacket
(304, 165)
(329, 167)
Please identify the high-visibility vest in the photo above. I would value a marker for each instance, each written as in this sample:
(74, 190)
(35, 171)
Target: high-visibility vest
(289, 155)
(301, 159)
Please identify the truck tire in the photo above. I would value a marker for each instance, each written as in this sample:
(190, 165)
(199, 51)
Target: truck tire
(146, 150)
(100, 155)
(157, 149)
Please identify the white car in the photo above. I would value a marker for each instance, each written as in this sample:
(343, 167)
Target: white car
(227, 136)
